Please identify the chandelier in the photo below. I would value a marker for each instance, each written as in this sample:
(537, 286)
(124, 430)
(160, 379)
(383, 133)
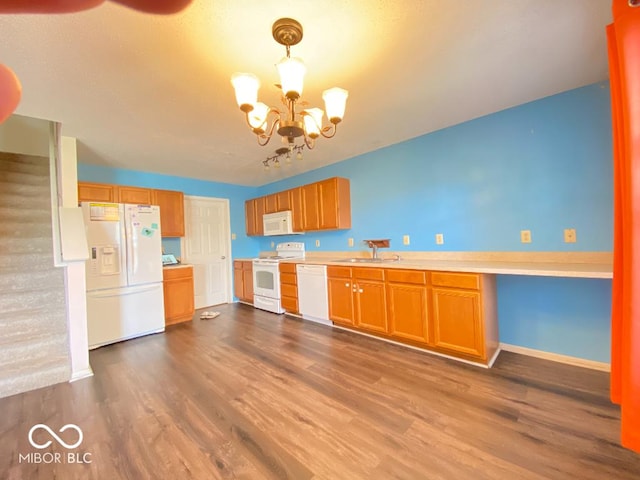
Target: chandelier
(290, 122)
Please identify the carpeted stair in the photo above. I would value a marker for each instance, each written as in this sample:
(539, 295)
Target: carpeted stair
(34, 347)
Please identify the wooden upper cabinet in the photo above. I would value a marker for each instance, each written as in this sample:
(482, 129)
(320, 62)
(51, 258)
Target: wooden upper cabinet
(253, 211)
(135, 195)
(283, 201)
(324, 205)
(171, 205)
(97, 192)
(335, 203)
(297, 213)
(250, 218)
(270, 203)
(310, 207)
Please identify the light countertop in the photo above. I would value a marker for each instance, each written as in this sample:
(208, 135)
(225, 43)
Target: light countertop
(547, 264)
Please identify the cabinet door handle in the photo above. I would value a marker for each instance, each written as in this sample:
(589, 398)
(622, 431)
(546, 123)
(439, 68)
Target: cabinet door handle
(360, 291)
(346, 284)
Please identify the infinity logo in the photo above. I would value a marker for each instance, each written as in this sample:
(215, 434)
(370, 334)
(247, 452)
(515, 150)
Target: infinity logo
(53, 434)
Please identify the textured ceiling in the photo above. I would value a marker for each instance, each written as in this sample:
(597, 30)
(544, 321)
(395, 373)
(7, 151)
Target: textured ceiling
(153, 93)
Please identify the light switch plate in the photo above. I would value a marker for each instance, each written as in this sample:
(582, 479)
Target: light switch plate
(525, 236)
(570, 235)
(406, 240)
(439, 239)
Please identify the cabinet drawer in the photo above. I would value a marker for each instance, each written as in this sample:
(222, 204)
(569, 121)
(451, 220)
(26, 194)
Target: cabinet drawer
(290, 304)
(287, 268)
(458, 280)
(368, 273)
(289, 290)
(340, 272)
(247, 265)
(237, 264)
(172, 273)
(288, 279)
(406, 276)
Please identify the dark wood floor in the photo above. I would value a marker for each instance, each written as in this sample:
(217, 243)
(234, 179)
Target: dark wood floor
(251, 395)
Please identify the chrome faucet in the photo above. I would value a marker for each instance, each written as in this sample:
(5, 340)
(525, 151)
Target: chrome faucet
(375, 244)
(375, 248)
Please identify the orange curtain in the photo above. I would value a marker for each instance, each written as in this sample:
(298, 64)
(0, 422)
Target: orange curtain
(623, 37)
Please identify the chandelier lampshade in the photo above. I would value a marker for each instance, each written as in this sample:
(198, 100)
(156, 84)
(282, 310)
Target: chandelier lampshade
(292, 71)
(290, 122)
(335, 101)
(246, 86)
(313, 121)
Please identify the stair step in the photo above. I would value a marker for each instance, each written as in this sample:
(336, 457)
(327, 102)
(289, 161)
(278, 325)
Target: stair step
(38, 374)
(53, 298)
(24, 178)
(16, 199)
(15, 356)
(12, 262)
(33, 330)
(25, 191)
(25, 231)
(17, 215)
(15, 325)
(19, 161)
(31, 280)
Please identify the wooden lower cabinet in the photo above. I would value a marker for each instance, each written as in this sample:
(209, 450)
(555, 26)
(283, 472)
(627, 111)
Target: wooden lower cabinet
(339, 289)
(357, 297)
(289, 287)
(178, 294)
(452, 313)
(370, 303)
(464, 314)
(407, 305)
(243, 280)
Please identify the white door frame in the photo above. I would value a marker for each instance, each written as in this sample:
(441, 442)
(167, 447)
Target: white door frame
(227, 215)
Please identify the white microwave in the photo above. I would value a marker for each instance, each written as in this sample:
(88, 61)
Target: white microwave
(278, 223)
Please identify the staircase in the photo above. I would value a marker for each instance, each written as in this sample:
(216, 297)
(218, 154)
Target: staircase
(34, 346)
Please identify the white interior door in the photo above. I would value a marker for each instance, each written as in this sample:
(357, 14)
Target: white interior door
(207, 246)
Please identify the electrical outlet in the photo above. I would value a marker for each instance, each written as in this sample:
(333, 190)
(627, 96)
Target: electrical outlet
(317, 243)
(439, 239)
(406, 240)
(273, 244)
(233, 236)
(351, 242)
(525, 236)
(570, 235)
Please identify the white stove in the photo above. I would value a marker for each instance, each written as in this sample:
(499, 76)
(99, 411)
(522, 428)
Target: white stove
(266, 276)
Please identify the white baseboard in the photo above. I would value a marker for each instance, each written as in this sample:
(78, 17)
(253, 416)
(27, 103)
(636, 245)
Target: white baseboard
(556, 357)
(86, 373)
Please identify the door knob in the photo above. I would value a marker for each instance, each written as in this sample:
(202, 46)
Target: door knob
(223, 257)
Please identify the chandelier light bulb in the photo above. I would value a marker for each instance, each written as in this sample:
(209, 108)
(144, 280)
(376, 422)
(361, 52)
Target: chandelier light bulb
(276, 163)
(299, 155)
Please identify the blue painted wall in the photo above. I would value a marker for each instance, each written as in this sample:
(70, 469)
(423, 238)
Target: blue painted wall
(242, 246)
(542, 166)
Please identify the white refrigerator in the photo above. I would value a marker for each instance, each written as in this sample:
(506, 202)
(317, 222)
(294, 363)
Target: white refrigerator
(124, 271)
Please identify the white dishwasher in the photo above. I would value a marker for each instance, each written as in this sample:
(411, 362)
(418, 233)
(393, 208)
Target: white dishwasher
(313, 299)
